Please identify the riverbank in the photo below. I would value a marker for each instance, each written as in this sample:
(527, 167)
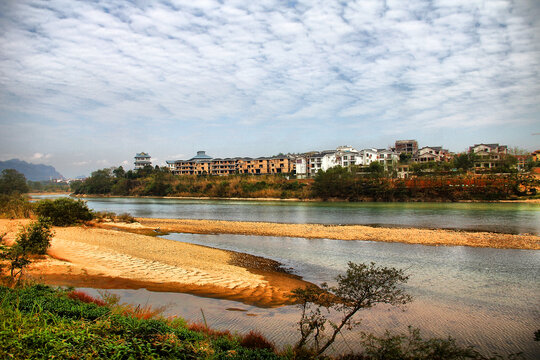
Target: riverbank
(104, 258)
(436, 237)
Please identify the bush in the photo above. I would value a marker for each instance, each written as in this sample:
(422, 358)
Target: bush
(35, 238)
(64, 211)
(255, 340)
(15, 206)
(125, 217)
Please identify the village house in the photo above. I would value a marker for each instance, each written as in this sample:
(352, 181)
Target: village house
(488, 156)
(431, 153)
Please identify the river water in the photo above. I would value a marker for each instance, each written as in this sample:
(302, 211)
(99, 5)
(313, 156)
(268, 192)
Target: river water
(512, 218)
(488, 298)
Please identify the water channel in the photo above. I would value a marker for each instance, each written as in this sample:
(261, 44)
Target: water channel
(488, 298)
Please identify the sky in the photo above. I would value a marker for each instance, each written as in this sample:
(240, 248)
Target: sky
(87, 84)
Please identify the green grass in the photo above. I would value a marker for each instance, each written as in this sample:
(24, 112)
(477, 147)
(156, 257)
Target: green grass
(40, 322)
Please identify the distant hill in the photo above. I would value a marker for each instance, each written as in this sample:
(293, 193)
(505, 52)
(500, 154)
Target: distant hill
(34, 172)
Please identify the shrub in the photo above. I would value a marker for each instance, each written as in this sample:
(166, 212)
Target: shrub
(85, 298)
(64, 211)
(125, 217)
(35, 238)
(255, 340)
(15, 206)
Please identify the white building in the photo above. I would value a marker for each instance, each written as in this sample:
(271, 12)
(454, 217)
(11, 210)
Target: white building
(142, 159)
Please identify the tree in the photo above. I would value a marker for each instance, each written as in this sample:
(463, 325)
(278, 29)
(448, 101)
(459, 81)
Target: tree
(405, 158)
(119, 172)
(64, 211)
(12, 181)
(34, 238)
(464, 161)
(361, 287)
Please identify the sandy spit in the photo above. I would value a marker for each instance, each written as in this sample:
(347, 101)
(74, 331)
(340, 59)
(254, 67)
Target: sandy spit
(347, 232)
(105, 258)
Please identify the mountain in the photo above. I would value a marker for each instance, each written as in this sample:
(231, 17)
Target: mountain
(34, 172)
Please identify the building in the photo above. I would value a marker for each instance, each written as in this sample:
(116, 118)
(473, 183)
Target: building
(406, 146)
(142, 159)
(431, 153)
(202, 164)
(488, 156)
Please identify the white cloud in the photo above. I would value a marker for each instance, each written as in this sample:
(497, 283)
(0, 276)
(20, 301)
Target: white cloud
(131, 68)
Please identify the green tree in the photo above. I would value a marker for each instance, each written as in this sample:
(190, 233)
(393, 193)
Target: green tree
(119, 172)
(405, 158)
(334, 182)
(64, 211)
(12, 181)
(361, 287)
(34, 238)
(464, 161)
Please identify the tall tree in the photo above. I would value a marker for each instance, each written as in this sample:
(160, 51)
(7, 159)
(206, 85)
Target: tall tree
(12, 181)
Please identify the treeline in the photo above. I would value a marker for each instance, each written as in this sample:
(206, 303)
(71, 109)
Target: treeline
(161, 182)
(347, 184)
(371, 183)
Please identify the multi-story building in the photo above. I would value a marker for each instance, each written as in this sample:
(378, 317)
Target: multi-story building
(488, 155)
(431, 153)
(202, 164)
(406, 146)
(142, 159)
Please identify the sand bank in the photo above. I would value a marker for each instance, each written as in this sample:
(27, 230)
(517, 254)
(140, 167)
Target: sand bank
(343, 232)
(102, 258)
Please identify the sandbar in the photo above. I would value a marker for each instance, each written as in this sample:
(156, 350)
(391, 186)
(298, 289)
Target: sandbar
(86, 256)
(437, 237)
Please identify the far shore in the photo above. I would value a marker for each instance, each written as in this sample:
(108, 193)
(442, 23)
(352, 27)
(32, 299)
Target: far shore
(532, 201)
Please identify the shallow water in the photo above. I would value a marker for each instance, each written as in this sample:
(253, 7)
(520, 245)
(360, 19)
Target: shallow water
(512, 218)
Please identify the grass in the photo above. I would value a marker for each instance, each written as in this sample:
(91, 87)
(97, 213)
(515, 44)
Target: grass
(40, 322)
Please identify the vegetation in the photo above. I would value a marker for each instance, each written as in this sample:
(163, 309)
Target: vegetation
(15, 206)
(160, 182)
(33, 239)
(40, 322)
(48, 186)
(346, 183)
(362, 287)
(12, 181)
(64, 211)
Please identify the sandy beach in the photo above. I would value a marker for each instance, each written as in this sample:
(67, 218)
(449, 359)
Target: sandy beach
(103, 258)
(342, 232)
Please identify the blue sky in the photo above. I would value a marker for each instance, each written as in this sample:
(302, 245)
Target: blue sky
(87, 84)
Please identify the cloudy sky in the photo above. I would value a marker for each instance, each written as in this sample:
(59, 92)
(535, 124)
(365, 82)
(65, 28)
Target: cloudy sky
(87, 84)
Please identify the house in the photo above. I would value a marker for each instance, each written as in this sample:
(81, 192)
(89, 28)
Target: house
(406, 146)
(431, 153)
(536, 156)
(323, 160)
(387, 158)
(142, 159)
(488, 156)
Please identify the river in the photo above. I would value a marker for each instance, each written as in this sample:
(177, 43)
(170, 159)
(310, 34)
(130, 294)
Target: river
(488, 298)
(512, 218)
